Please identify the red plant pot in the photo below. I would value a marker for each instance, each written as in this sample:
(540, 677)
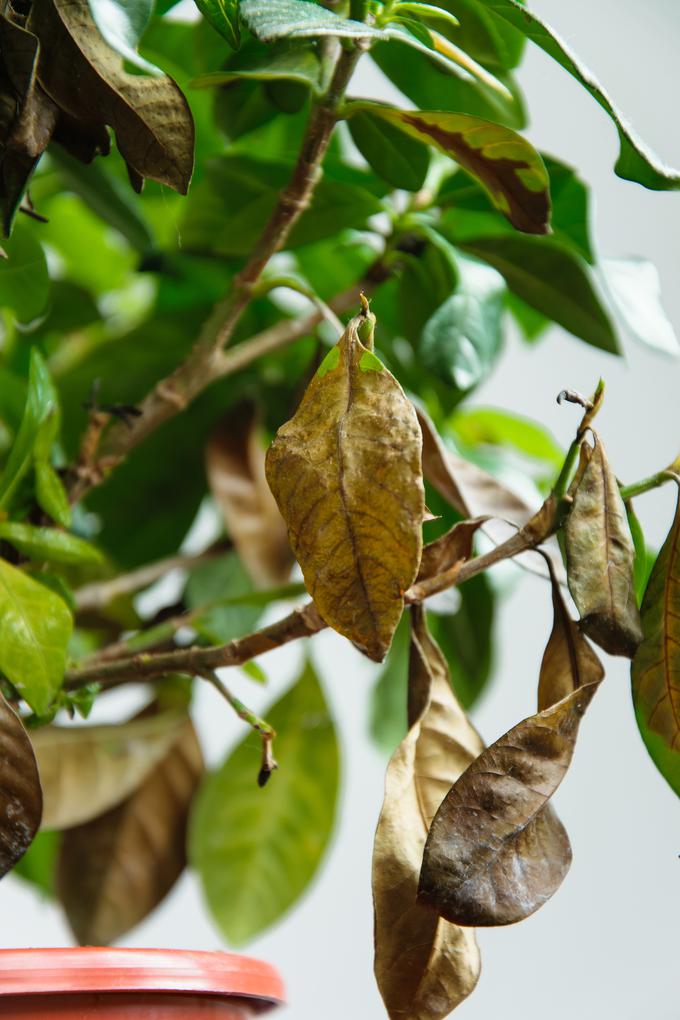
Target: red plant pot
(134, 984)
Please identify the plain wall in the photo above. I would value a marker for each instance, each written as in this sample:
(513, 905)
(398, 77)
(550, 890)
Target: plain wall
(607, 944)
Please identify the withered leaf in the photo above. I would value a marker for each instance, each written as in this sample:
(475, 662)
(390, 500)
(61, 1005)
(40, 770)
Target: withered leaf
(113, 870)
(474, 493)
(424, 965)
(656, 667)
(346, 474)
(568, 660)
(86, 770)
(496, 851)
(455, 546)
(235, 465)
(601, 559)
(86, 79)
(20, 793)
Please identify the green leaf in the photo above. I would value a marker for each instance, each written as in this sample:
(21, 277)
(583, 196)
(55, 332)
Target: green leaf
(570, 218)
(428, 12)
(298, 65)
(210, 583)
(223, 16)
(34, 631)
(553, 280)
(38, 864)
(505, 164)
(398, 159)
(298, 19)
(107, 197)
(122, 24)
(49, 544)
(388, 722)
(463, 337)
(466, 638)
(41, 405)
(487, 38)
(636, 161)
(431, 86)
(480, 425)
(257, 850)
(24, 282)
(635, 290)
(51, 494)
(644, 557)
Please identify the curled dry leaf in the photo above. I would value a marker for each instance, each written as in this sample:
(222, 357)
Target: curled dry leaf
(601, 559)
(424, 965)
(496, 850)
(86, 770)
(115, 869)
(449, 549)
(235, 465)
(473, 492)
(568, 661)
(85, 77)
(656, 666)
(20, 793)
(346, 474)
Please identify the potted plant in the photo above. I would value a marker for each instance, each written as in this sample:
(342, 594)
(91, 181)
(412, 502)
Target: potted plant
(272, 299)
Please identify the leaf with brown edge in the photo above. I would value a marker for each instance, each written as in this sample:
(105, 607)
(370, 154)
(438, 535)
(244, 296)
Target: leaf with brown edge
(496, 850)
(235, 467)
(475, 493)
(655, 669)
(424, 965)
(86, 79)
(568, 660)
(115, 869)
(507, 166)
(601, 559)
(20, 793)
(87, 770)
(346, 474)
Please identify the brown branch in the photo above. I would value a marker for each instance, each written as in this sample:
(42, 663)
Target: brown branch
(206, 363)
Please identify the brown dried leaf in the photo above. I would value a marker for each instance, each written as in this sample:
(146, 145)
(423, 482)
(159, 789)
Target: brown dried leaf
(346, 474)
(656, 666)
(20, 793)
(424, 966)
(601, 558)
(115, 869)
(496, 851)
(474, 493)
(85, 78)
(449, 549)
(235, 466)
(568, 661)
(87, 770)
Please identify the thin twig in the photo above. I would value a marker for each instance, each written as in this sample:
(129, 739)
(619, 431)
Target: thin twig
(261, 726)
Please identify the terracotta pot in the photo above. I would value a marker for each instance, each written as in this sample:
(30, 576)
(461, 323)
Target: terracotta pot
(134, 984)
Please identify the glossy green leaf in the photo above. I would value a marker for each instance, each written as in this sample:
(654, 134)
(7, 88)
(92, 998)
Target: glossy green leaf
(24, 283)
(41, 405)
(122, 24)
(505, 164)
(51, 494)
(463, 337)
(491, 426)
(49, 544)
(298, 19)
(553, 280)
(636, 161)
(487, 38)
(427, 11)
(107, 197)
(217, 581)
(399, 160)
(35, 627)
(298, 65)
(635, 290)
(257, 850)
(223, 16)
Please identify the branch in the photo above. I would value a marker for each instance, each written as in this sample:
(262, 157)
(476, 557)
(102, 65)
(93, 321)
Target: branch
(261, 726)
(205, 363)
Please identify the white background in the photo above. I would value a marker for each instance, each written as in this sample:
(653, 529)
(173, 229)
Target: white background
(606, 946)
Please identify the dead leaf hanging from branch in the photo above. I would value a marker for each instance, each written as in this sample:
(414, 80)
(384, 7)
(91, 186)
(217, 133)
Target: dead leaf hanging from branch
(20, 792)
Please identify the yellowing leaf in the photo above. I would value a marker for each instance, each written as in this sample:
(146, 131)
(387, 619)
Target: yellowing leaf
(601, 558)
(346, 474)
(86, 770)
(656, 666)
(496, 850)
(424, 965)
(506, 165)
(235, 466)
(20, 794)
